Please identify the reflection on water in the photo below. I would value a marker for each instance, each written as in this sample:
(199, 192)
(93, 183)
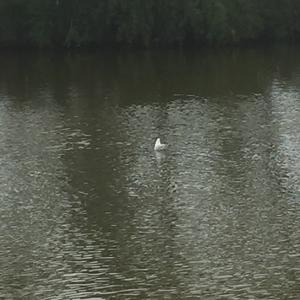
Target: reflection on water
(89, 211)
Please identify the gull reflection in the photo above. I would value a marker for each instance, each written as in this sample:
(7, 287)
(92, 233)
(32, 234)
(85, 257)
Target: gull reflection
(160, 157)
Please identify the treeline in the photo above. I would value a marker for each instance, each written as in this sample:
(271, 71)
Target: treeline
(148, 23)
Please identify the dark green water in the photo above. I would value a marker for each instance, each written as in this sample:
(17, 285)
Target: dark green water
(89, 211)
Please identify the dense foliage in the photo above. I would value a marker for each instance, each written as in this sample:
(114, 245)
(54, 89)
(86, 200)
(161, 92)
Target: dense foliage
(148, 23)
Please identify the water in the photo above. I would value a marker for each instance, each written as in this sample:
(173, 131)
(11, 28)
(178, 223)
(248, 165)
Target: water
(89, 211)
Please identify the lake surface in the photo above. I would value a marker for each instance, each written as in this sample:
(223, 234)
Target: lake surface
(89, 211)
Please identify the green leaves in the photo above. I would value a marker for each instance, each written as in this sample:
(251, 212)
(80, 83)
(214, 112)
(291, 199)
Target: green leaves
(151, 23)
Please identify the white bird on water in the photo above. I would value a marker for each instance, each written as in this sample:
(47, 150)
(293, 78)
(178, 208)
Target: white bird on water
(159, 146)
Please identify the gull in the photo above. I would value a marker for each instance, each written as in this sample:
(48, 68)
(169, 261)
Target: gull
(159, 146)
